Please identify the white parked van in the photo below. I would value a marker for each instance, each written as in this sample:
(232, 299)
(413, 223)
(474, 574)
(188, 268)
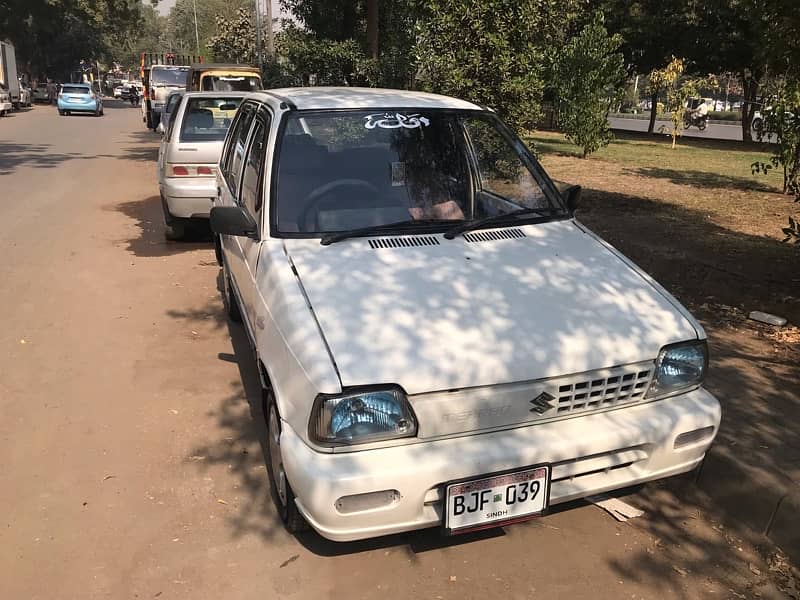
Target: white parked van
(8, 73)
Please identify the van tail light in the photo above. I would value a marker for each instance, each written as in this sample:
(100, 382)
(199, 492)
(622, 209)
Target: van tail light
(205, 171)
(180, 171)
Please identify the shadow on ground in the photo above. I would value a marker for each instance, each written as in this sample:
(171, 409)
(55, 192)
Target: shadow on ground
(702, 179)
(149, 240)
(694, 258)
(14, 155)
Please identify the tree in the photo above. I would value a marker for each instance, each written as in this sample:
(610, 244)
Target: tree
(652, 31)
(53, 37)
(339, 41)
(494, 53)
(589, 75)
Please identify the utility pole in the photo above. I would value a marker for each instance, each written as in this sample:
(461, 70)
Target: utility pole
(270, 39)
(259, 33)
(196, 32)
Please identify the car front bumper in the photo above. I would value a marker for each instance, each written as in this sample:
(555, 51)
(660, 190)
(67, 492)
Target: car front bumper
(589, 454)
(189, 197)
(6, 106)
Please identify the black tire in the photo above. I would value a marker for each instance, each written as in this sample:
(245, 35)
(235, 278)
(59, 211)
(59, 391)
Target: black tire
(218, 249)
(702, 124)
(280, 489)
(687, 122)
(757, 125)
(229, 296)
(175, 231)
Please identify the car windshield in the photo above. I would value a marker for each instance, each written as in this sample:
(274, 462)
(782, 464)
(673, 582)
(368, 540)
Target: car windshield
(74, 89)
(169, 76)
(339, 171)
(208, 119)
(230, 83)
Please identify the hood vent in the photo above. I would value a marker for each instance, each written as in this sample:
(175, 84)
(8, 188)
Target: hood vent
(491, 236)
(404, 242)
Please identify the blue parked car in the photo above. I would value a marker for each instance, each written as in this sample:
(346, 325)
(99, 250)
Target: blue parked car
(79, 97)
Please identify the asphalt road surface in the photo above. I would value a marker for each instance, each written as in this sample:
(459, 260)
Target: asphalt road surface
(713, 131)
(131, 436)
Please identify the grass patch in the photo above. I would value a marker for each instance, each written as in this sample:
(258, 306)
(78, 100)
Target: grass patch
(704, 163)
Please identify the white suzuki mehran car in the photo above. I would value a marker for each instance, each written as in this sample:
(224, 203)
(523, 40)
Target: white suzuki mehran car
(188, 156)
(440, 341)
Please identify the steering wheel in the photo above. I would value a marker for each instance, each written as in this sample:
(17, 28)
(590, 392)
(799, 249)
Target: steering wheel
(315, 198)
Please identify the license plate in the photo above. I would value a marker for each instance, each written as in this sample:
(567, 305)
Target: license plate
(497, 500)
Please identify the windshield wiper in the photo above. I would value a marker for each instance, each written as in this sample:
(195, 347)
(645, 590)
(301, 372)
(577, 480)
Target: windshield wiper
(338, 236)
(477, 224)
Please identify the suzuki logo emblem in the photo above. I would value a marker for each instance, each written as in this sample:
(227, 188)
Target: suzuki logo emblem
(542, 403)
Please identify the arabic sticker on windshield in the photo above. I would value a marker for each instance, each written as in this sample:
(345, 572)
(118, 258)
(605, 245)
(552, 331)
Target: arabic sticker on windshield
(395, 121)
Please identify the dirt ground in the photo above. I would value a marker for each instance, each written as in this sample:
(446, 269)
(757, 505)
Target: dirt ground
(714, 240)
(132, 439)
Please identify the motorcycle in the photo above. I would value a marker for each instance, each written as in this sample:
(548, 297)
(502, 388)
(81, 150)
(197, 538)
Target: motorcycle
(133, 98)
(692, 119)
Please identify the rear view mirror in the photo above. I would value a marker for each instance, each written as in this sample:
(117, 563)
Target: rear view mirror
(160, 129)
(232, 220)
(228, 107)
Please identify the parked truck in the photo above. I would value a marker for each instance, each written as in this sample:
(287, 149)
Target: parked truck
(162, 74)
(9, 80)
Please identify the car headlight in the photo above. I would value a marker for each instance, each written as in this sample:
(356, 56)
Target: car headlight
(679, 367)
(362, 416)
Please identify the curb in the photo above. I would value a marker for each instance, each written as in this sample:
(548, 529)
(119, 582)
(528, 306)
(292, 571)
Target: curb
(767, 508)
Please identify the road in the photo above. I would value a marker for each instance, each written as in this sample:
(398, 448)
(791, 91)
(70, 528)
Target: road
(132, 440)
(714, 131)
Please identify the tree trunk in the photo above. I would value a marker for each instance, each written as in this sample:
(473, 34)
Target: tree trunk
(653, 110)
(372, 28)
(750, 88)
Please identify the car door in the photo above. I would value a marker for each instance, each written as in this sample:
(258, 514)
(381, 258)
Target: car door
(251, 199)
(239, 252)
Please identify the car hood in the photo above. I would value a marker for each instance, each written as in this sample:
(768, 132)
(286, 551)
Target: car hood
(461, 313)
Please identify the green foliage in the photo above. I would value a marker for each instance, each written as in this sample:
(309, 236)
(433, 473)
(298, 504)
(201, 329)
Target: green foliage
(781, 125)
(588, 77)
(331, 47)
(181, 24)
(52, 37)
(235, 38)
(492, 52)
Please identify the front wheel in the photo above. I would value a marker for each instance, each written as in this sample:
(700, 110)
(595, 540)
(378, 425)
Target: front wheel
(758, 125)
(687, 122)
(702, 124)
(282, 494)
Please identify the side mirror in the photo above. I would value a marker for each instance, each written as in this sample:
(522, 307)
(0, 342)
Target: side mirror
(571, 194)
(160, 129)
(232, 220)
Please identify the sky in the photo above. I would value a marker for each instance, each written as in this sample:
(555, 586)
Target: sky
(165, 5)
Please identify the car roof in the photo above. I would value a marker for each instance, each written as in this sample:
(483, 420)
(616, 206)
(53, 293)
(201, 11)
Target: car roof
(215, 94)
(312, 98)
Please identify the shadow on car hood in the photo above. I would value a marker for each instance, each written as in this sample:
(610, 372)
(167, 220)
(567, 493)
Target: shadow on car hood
(462, 314)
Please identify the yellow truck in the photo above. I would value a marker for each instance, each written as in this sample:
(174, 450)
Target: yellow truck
(216, 77)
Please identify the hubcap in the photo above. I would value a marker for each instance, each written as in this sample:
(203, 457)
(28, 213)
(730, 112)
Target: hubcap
(275, 455)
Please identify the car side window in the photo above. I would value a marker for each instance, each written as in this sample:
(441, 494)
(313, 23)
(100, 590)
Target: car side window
(238, 145)
(254, 165)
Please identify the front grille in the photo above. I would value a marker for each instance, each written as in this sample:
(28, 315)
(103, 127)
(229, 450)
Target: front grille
(626, 385)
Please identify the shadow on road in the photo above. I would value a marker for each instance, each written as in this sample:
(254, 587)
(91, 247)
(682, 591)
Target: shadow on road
(13, 155)
(149, 240)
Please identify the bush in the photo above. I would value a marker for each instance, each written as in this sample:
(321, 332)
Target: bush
(725, 115)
